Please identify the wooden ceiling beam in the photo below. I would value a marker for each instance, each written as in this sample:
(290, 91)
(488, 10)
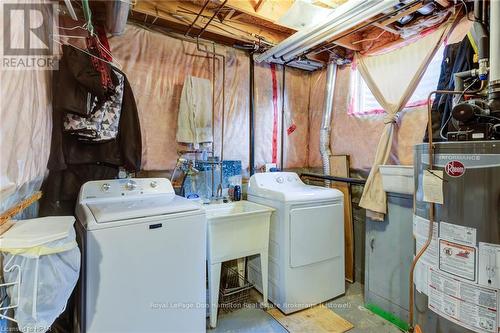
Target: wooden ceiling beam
(181, 14)
(268, 10)
(386, 28)
(346, 42)
(329, 3)
(444, 3)
(404, 13)
(230, 14)
(259, 4)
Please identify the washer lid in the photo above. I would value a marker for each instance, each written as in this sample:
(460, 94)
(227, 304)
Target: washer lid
(287, 186)
(139, 206)
(35, 232)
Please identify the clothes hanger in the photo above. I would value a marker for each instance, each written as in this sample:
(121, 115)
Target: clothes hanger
(89, 28)
(113, 63)
(92, 34)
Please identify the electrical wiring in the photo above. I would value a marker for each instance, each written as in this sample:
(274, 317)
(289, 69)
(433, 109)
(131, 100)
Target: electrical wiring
(466, 11)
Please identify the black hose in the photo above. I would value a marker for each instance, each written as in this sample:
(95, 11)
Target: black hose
(251, 114)
(478, 10)
(183, 192)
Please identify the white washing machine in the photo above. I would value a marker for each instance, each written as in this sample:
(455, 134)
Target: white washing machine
(143, 261)
(306, 241)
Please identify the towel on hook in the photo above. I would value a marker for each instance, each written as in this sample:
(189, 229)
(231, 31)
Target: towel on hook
(194, 122)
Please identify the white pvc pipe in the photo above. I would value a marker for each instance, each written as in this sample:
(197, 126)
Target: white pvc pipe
(303, 34)
(334, 19)
(337, 30)
(342, 19)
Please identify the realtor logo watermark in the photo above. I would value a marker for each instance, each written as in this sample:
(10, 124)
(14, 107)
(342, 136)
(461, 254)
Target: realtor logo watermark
(28, 36)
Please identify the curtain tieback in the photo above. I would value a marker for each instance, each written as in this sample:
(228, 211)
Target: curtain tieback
(391, 118)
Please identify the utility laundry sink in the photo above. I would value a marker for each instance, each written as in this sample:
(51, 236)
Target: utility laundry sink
(397, 178)
(235, 230)
(233, 209)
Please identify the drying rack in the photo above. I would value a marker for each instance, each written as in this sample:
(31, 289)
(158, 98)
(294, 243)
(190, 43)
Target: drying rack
(17, 282)
(5, 224)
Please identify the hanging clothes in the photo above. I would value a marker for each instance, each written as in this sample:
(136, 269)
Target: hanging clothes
(61, 187)
(77, 84)
(194, 122)
(100, 66)
(74, 161)
(102, 122)
(457, 57)
(124, 150)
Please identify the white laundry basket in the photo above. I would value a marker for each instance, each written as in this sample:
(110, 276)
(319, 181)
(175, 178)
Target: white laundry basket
(41, 264)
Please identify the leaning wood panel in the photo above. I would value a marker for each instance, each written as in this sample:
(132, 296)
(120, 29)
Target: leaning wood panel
(339, 166)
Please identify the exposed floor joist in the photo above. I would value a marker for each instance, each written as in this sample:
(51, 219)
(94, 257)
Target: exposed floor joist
(257, 21)
(181, 14)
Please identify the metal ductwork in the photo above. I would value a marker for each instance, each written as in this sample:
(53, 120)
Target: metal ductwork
(116, 16)
(324, 136)
(343, 18)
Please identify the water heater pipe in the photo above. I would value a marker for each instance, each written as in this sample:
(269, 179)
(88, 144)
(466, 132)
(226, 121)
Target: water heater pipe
(494, 41)
(431, 205)
(324, 135)
(494, 75)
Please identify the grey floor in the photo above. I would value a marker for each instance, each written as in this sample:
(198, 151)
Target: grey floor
(349, 307)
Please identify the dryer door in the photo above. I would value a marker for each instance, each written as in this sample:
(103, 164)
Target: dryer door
(316, 234)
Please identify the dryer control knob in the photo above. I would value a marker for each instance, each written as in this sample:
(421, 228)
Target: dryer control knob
(153, 184)
(131, 185)
(105, 187)
(280, 180)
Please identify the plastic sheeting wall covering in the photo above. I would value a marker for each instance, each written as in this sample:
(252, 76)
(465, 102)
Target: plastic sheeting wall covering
(25, 124)
(157, 64)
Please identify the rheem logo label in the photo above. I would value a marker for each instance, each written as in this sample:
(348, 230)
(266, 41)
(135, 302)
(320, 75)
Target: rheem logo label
(454, 169)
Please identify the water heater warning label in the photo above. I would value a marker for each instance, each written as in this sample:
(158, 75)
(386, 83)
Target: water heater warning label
(457, 233)
(463, 303)
(457, 259)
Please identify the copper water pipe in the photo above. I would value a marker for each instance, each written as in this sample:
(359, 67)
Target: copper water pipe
(219, 188)
(431, 205)
(213, 118)
(223, 57)
(211, 19)
(197, 17)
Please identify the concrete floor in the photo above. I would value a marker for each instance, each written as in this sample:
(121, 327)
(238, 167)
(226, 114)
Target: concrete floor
(350, 307)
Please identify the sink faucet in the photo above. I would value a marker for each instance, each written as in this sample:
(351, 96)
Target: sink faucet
(219, 191)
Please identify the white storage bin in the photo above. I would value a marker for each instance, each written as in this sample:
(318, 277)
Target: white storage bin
(397, 178)
(41, 267)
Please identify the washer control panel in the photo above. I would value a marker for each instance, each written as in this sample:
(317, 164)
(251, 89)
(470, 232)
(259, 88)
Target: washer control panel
(125, 187)
(282, 179)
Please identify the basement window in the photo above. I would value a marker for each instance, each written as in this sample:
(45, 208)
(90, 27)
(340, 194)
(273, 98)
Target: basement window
(364, 104)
